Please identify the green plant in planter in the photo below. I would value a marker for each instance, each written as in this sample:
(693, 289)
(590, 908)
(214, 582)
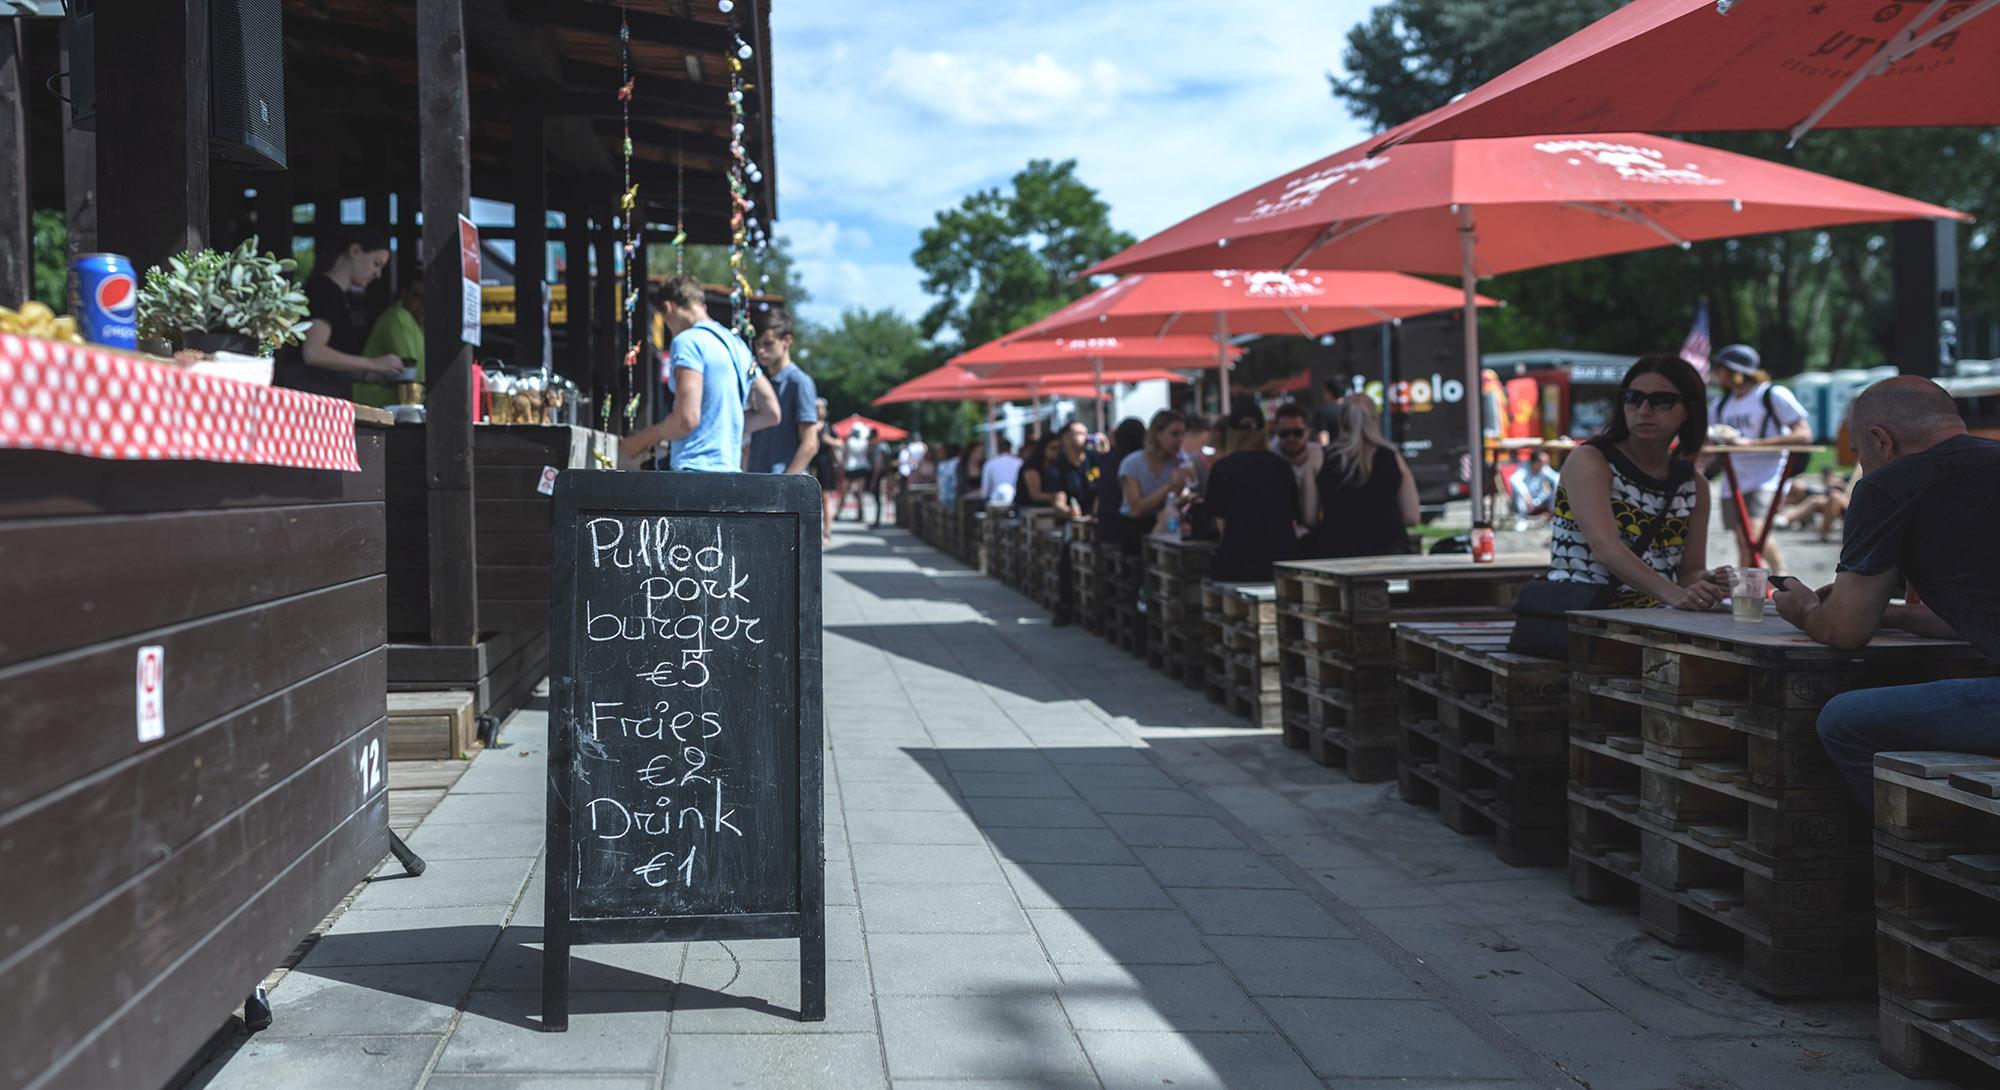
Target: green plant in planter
(208, 296)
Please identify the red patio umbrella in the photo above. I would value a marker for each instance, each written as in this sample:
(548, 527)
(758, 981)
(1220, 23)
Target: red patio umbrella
(876, 428)
(954, 383)
(1096, 359)
(1480, 207)
(1225, 302)
(1743, 65)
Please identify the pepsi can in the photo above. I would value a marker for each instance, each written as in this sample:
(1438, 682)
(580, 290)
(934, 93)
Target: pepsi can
(104, 298)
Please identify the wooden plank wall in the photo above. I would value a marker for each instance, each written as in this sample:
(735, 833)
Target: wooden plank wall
(512, 559)
(150, 886)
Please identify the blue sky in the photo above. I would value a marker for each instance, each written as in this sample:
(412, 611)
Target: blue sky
(889, 111)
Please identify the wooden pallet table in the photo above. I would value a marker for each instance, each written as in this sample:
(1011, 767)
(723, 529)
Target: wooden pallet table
(1336, 646)
(1698, 786)
(1937, 922)
(1483, 736)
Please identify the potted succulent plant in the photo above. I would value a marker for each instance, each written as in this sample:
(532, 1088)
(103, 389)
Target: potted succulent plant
(239, 301)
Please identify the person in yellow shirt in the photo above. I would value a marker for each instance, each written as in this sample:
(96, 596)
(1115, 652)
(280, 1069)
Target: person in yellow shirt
(398, 332)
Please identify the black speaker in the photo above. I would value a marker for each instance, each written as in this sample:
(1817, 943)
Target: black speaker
(247, 82)
(1924, 257)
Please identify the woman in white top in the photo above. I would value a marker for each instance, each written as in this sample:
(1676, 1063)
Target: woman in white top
(854, 452)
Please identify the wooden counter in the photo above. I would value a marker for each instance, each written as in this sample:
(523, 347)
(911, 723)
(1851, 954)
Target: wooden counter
(511, 527)
(151, 884)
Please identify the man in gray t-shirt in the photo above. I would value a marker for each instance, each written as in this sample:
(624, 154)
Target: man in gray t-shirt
(789, 446)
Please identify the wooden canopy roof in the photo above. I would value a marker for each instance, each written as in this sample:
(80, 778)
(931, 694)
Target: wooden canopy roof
(351, 86)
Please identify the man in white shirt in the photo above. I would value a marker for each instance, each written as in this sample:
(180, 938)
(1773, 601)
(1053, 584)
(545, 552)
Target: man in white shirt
(1755, 412)
(1533, 488)
(996, 481)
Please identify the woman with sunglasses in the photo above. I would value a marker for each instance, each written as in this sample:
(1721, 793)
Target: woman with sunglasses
(1631, 511)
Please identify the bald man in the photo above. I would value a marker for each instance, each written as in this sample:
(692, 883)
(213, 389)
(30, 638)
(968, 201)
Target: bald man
(1927, 510)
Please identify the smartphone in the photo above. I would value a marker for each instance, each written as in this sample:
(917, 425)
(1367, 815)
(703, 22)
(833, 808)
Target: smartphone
(1782, 582)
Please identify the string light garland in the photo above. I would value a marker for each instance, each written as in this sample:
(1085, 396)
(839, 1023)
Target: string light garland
(628, 207)
(680, 206)
(740, 167)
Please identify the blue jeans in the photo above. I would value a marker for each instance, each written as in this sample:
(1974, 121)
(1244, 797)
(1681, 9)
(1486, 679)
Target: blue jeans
(1961, 716)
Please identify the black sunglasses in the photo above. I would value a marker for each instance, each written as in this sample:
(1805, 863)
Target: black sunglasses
(1660, 402)
(1290, 433)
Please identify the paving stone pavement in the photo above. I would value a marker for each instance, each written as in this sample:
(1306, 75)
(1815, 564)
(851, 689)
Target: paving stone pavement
(1047, 866)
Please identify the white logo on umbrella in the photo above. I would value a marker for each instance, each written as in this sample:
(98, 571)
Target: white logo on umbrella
(1273, 284)
(1632, 162)
(1302, 191)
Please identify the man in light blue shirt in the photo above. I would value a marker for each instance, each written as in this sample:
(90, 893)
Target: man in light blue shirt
(720, 394)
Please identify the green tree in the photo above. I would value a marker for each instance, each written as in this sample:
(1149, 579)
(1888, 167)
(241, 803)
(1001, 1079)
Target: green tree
(51, 248)
(1002, 259)
(861, 356)
(1410, 56)
(1808, 298)
(771, 270)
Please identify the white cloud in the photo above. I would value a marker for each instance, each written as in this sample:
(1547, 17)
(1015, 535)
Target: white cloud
(819, 239)
(892, 111)
(839, 284)
(982, 91)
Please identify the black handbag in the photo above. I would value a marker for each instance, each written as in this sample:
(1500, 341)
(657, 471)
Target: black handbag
(1541, 612)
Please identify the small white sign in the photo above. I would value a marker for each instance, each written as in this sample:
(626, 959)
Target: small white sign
(469, 274)
(369, 764)
(150, 686)
(548, 485)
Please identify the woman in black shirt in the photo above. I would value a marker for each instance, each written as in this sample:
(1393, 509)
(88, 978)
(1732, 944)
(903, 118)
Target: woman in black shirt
(329, 360)
(1367, 498)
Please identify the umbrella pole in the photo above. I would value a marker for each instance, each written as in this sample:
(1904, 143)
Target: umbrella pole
(992, 428)
(1388, 380)
(1222, 357)
(1468, 242)
(1097, 387)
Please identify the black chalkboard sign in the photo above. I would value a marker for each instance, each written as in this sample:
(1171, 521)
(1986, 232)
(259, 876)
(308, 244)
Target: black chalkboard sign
(684, 718)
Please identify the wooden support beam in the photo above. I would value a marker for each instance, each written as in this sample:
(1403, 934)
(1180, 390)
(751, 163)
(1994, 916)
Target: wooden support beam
(79, 177)
(531, 236)
(448, 362)
(152, 120)
(579, 333)
(382, 292)
(17, 240)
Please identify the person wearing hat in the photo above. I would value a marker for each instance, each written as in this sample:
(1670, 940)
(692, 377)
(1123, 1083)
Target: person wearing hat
(1253, 498)
(1753, 411)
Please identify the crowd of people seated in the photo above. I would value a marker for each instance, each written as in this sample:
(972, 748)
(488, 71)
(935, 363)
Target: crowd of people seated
(1629, 512)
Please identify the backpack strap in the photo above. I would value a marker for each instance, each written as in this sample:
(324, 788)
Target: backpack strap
(747, 377)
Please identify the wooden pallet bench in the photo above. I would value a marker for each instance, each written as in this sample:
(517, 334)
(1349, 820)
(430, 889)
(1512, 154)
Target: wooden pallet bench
(1240, 642)
(1699, 789)
(1937, 924)
(1483, 736)
(1173, 574)
(1336, 643)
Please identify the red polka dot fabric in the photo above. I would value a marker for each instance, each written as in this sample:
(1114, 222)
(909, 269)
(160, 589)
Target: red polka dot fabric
(98, 403)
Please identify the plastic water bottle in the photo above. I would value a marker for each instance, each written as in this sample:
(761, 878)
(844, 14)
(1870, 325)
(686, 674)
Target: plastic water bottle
(1174, 516)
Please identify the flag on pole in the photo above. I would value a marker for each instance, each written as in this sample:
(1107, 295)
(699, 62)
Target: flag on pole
(1695, 349)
